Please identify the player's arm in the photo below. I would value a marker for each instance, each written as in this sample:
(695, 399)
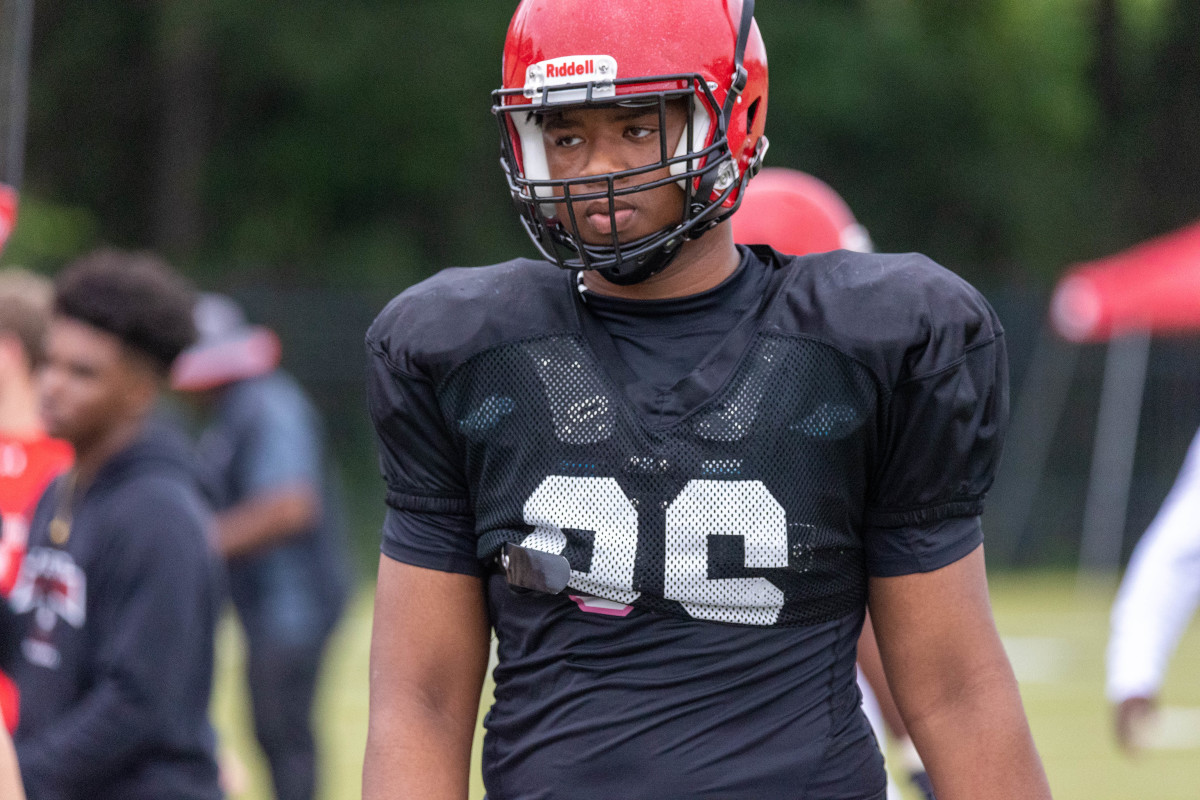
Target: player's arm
(10, 776)
(954, 685)
(429, 652)
(267, 518)
(279, 467)
(871, 664)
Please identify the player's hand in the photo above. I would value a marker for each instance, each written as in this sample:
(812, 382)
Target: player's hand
(920, 779)
(1132, 718)
(232, 773)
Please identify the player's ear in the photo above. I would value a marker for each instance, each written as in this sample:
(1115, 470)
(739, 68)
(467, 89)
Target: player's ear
(145, 379)
(11, 351)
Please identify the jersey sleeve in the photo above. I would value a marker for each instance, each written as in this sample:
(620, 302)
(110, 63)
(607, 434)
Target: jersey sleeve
(942, 433)
(429, 522)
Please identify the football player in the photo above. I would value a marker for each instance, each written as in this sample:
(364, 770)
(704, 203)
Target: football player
(666, 470)
(797, 213)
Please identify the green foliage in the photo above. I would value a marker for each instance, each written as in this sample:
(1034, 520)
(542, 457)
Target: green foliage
(372, 145)
(47, 235)
(963, 130)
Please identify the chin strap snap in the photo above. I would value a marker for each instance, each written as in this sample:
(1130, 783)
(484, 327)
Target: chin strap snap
(648, 265)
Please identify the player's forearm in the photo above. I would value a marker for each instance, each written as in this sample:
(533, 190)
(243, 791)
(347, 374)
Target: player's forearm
(871, 663)
(418, 752)
(266, 520)
(977, 744)
(10, 775)
(429, 652)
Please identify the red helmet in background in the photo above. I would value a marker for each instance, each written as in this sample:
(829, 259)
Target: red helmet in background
(8, 212)
(583, 53)
(797, 214)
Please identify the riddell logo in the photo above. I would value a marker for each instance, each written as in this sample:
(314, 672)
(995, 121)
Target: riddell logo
(580, 68)
(574, 71)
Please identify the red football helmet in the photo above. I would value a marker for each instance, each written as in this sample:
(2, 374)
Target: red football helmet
(578, 53)
(796, 213)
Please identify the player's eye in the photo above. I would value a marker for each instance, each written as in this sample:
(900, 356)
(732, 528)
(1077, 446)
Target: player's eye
(83, 372)
(567, 140)
(640, 131)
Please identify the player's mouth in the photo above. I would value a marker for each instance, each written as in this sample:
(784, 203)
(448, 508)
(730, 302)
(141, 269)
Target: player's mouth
(597, 218)
(52, 420)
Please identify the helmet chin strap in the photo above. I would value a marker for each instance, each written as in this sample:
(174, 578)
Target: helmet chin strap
(651, 264)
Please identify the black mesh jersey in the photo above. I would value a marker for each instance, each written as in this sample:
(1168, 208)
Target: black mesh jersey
(847, 423)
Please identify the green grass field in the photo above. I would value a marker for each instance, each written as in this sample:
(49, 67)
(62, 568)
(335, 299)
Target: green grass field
(1055, 632)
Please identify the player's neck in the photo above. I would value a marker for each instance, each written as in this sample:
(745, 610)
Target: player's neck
(94, 452)
(701, 265)
(18, 408)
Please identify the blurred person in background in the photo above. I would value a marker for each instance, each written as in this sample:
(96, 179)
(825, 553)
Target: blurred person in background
(117, 595)
(279, 525)
(29, 459)
(10, 773)
(1157, 597)
(797, 213)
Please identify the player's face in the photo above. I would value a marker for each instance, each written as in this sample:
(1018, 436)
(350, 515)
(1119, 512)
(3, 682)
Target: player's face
(595, 141)
(12, 357)
(89, 382)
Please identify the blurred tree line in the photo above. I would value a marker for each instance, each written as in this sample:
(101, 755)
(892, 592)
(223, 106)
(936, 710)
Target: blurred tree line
(321, 144)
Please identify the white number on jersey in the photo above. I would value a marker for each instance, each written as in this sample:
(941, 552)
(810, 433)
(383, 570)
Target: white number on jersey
(704, 508)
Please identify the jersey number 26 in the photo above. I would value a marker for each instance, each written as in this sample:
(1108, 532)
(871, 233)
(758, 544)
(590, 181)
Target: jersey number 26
(702, 509)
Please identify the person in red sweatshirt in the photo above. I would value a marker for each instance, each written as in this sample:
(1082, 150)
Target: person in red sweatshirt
(29, 459)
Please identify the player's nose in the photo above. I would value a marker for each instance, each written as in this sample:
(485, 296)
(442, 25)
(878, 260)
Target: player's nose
(604, 158)
(49, 383)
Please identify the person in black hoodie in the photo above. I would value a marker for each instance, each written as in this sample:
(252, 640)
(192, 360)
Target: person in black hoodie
(118, 593)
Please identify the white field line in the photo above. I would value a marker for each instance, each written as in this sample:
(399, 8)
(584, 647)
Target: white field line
(1175, 728)
(1040, 659)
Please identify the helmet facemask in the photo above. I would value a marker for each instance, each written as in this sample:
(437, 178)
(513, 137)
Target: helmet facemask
(700, 163)
(678, 53)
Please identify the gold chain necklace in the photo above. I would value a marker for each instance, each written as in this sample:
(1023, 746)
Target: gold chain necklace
(60, 525)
